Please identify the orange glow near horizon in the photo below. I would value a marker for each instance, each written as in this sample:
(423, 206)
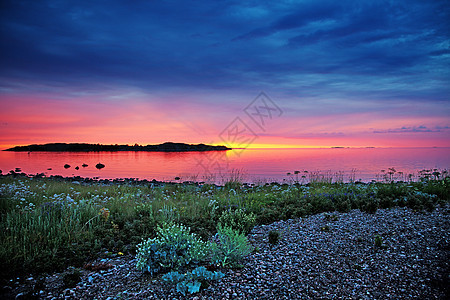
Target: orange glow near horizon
(41, 119)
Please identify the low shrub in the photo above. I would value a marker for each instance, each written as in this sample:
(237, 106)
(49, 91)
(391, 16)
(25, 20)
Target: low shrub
(274, 237)
(231, 247)
(238, 220)
(343, 206)
(203, 226)
(378, 241)
(420, 200)
(71, 277)
(174, 247)
(331, 217)
(370, 206)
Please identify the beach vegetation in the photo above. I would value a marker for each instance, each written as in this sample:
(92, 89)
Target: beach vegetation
(48, 224)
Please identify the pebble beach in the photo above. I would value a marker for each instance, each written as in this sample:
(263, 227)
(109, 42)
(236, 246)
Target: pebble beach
(324, 256)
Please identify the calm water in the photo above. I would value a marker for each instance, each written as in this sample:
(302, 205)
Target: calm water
(255, 164)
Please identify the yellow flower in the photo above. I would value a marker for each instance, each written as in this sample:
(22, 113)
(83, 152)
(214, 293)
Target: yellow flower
(120, 253)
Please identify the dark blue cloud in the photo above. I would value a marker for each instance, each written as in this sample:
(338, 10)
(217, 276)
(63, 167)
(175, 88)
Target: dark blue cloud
(303, 15)
(339, 49)
(414, 129)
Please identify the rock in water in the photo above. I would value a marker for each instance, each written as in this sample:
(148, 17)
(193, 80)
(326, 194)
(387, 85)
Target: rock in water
(99, 166)
(66, 166)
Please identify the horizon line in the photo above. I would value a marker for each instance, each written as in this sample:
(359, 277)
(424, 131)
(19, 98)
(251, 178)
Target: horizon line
(268, 146)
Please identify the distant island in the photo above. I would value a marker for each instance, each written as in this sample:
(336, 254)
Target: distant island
(83, 147)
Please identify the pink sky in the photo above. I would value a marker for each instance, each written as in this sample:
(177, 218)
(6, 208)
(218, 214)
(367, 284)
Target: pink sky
(134, 117)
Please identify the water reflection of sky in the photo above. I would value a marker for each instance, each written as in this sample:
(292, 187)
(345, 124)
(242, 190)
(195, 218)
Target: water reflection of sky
(252, 164)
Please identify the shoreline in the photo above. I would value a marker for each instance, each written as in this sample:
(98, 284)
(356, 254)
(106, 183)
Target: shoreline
(105, 181)
(137, 181)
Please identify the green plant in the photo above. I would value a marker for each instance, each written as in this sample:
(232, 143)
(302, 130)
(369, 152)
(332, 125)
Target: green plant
(370, 206)
(235, 179)
(332, 217)
(71, 277)
(378, 241)
(231, 247)
(38, 238)
(203, 225)
(238, 220)
(174, 247)
(419, 200)
(192, 282)
(168, 214)
(274, 237)
(343, 206)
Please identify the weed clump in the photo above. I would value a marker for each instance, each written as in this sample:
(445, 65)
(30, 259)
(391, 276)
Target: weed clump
(370, 207)
(274, 237)
(71, 277)
(231, 247)
(332, 217)
(378, 242)
(238, 220)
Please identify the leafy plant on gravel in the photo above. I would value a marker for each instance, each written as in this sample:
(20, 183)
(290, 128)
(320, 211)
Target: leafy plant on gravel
(419, 200)
(238, 220)
(192, 282)
(274, 237)
(378, 241)
(71, 277)
(231, 247)
(331, 217)
(174, 247)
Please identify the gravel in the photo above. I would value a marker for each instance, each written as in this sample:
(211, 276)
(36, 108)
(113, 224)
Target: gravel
(324, 256)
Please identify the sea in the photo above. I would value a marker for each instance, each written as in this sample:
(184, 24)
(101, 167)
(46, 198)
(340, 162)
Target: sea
(246, 165)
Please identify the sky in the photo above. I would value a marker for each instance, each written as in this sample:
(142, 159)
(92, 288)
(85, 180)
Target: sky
(240, 73)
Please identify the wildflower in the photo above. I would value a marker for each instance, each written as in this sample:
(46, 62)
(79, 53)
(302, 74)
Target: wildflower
(120, 253)
(104, 212)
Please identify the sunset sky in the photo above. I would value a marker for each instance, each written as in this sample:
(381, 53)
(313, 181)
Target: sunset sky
(332, 73)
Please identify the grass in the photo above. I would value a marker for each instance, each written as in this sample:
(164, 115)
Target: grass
(48, 224)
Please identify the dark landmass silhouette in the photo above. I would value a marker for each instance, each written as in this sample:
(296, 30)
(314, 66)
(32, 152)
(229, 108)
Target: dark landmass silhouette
(83, 147)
